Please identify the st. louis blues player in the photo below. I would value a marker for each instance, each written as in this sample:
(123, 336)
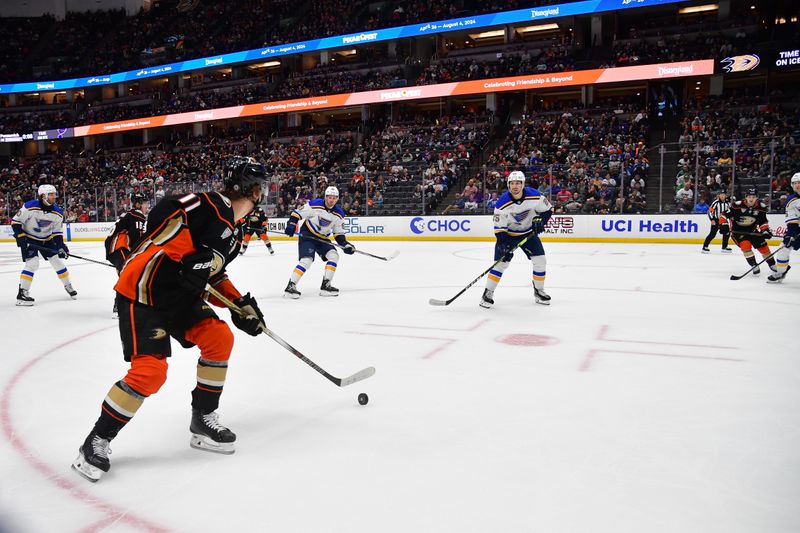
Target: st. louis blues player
(791, 241)
(37, 229)
(321, 219)
(521, 212)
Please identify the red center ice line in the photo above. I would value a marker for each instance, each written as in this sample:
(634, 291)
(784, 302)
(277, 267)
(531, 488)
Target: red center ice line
(602, 336)
(446, 342)
(111, 512)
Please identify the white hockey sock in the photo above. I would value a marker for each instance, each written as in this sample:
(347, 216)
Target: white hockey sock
(495, 274)
(26, 276)
(539, 270)
(300, 269)
(61, 269)
(330, 270)
(782, 260)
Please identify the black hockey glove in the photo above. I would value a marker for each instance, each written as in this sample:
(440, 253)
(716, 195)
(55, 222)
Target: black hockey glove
(538, 225)
(767, 234)
(792, 240)
(63, 251)
(253, 320)
(195, 271)
(347, 248)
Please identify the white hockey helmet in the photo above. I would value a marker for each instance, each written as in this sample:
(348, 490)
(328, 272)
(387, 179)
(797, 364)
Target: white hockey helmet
(795, 178)
(515, 176)
(332, 191)
(45, 190)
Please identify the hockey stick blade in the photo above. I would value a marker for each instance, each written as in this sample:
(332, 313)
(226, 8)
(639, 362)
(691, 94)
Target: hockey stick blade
(358, 376)
(387, 258)
(434, 301)
(339, 382)
(767, 258)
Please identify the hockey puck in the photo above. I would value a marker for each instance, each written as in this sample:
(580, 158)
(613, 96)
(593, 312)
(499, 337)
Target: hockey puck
(363, 399)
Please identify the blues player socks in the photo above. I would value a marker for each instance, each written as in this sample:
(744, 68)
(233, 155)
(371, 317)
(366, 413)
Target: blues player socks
(25, 279)
(210, 381)
(63, 275)
(538, 279)
(495, 274)
(297, 273)
(330, 270)
(539, 264)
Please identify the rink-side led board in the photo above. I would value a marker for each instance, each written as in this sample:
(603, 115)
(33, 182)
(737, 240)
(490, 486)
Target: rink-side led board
(577, 228)
(584, 7)
(515, 83)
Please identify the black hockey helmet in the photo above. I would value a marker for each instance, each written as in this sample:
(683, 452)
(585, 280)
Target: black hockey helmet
(751, 191)
(242, 174)
(137, 198)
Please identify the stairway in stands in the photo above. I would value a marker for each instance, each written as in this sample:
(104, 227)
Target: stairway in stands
(661, 134)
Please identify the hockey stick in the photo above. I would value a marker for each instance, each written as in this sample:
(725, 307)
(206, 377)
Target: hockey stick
(70, 254)
(434, 301)
(751, 234)
(339, 382)
(737, 278)
(337, 245)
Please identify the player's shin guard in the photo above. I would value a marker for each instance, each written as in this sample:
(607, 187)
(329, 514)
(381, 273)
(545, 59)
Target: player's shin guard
(119, 407)
(781, 266)
(215, 340)
(495, 274)
(210, 381)
(539, 264)
(301, 269)
(26, 276)
(492, 280)
(330, 270)
(63, 274)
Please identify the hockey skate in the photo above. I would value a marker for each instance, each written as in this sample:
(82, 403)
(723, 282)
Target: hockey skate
(92, 461)
(72, 292)
(541, 297)
(209, 435)
(326, 289)
(271, 251)
(243, 250)
(776, 277)
(727, 250)
(705, 250)
(23, 298)
(486, 300)
(756, 271)
(291, 291)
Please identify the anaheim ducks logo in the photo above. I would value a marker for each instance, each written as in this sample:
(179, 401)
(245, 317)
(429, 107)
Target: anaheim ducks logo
(158, 334)
(741, 63)
(217, 263)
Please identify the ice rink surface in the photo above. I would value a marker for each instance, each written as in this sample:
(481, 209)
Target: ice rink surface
(653, 395)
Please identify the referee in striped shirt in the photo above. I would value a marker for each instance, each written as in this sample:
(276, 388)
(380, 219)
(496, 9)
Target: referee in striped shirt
(716, 214)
